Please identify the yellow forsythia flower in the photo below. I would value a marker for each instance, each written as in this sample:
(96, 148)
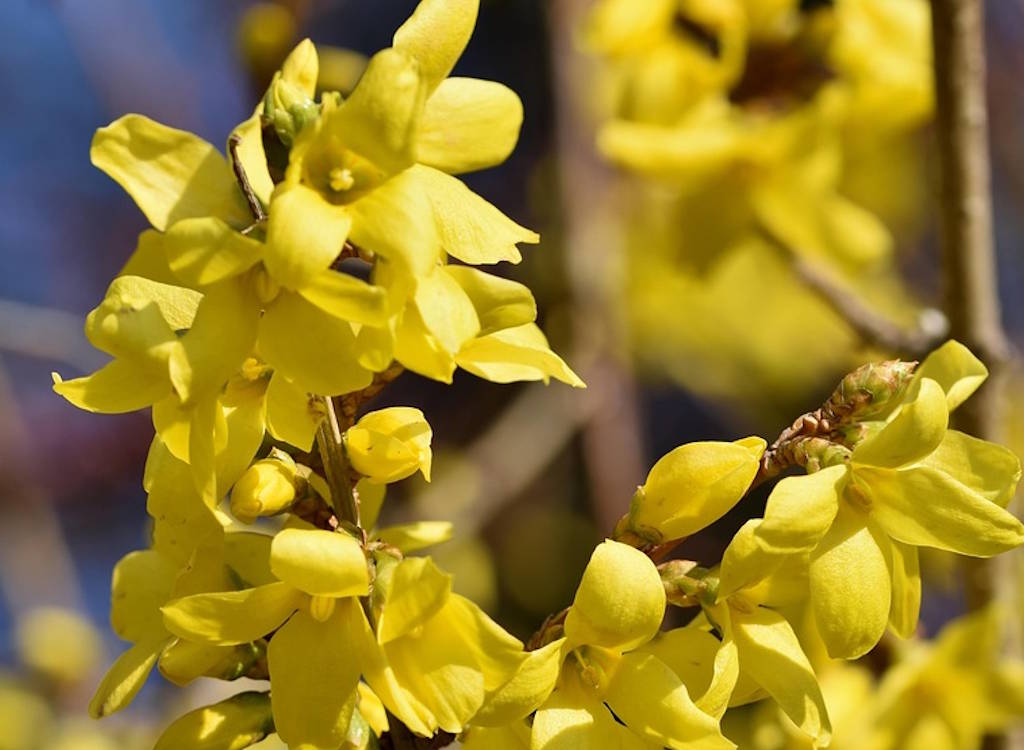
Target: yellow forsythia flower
(390, 444)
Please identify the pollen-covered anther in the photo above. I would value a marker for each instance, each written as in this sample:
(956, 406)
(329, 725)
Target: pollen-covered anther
(341, 179)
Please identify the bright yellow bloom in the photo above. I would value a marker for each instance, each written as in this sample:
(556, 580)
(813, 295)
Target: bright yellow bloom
(910, 483)
(606, 667)
(266, 489)
(232, 724)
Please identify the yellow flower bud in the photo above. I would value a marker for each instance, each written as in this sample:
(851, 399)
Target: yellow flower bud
(620, 602)
(322, 607)
(390, 444)
(267, 488)
(288, 108)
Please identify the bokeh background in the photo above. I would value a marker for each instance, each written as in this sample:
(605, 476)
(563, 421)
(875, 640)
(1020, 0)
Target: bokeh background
(532, 476)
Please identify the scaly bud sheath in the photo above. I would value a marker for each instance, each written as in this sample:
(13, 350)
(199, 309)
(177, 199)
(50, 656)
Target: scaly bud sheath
(266, 489)
(867, 392)
(682, 582)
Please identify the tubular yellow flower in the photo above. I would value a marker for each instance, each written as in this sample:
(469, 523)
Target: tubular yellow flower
(266, 489)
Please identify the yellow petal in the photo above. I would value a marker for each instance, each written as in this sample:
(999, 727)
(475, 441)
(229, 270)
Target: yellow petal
(915, 431)
(771, 653)
(417, 590)
(236, 722)
(231, 617)
(348, 298)
(320, 562)
(436, 34)
(499, 303)
(800, 510)
(248, 556)
(206, 416)
(314, 350)
(746, 561)
(125, 678)
(302, 66)
(620, 601)
(305, 234)
(371, 500)
(378, 120)
(209, 358)
(244, 413)
(182, 521)
(988, 469)
(252, 156)
(292, 415)
(469, 124)
(693, 486)
(314, 670)
(528, 688)
(205, 250)
(446, 310)
(182, 661)
(514, 736)
(927, 508)
(416, 349)
(396, 221)
(906, 588)
(707, 667)
(138, 318)
(574, 718)
(955, 369)
(850, 586)
(142, 582)
(471, 229)
(171, 174)
(115, 388)
(149, 260)
(412, 537)
(652, 701)
(515, 354)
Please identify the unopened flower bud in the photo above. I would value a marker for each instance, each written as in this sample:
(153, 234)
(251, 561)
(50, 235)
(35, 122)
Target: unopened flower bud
(266, 489)
(869, 391)
(288, 108)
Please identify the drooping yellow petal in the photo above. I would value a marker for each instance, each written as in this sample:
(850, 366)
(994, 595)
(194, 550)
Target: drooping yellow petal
(379, 119)
(653, 702)
(800, 510)
(620, 601)
(305, 234)
(850, 585)
(469, 124)
(915, 431)
(988, 469)
(205, 250)
(511, 736)
(182, 521)
(314, 350)
(411, 537)
(326, 563)
(142, 582)
(500, 303)
(205, 418)
(171, 174)
(292, 415)
(314, 670)
(708, 667)
(693, 486)
(529, 687)
(435, 36)
(446, 310)
(416, 349)
(746, 560)
(574, 718)
(149, 260)
(231, 617)
(208, 357)
(348, 298)
(244, 411)
(183, 661)
(236, 722)
(515, 354)
(471, 229)
(771, 653)
(371, 500)
(906, 588)
(925, 507)
(125, 678)
(396, 221)
(417, 590)
(115, 388)
(955, 369)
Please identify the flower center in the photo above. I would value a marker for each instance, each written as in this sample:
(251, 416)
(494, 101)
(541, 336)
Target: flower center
(341, 179)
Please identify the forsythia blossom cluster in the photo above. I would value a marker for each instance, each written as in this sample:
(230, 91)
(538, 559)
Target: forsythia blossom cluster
(281, 289)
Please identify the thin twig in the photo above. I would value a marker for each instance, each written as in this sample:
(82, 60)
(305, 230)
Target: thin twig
(336, 467)
(255, 206)
(871, 326)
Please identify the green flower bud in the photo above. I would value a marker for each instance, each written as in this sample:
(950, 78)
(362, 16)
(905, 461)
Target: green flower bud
(869, 391)
(266, 489)
(288, 108)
